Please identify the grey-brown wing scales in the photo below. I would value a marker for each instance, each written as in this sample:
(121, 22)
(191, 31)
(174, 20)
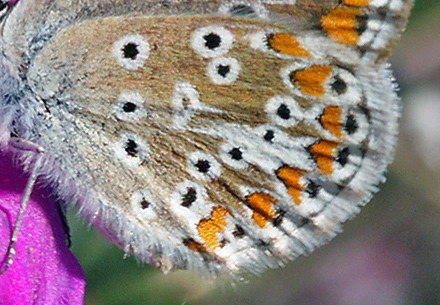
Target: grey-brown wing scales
(220, 140)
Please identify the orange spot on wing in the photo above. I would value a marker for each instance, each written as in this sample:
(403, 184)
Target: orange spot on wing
(260, 203)
(209, 227)
(259, 219)
(285, 43)
(310, 80)
(357, 3)
(323, 153)
(290, 177)
(341, 25)
(330, 120)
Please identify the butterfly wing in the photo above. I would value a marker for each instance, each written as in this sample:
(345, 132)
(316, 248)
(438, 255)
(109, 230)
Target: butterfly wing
(220, 136)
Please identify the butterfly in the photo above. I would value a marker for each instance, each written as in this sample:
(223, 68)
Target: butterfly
(221, 136)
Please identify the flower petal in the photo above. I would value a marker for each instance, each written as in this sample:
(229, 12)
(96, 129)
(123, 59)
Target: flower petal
(44, 271)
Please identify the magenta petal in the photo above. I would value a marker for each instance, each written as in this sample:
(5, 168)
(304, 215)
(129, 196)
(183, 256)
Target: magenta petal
(44, 270)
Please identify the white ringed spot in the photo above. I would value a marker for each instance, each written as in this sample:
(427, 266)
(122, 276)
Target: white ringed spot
(346, 164)
(187, 194)
(131, 51)
(223, 70)
(131, 149)
(188, 200)
(203, 166)
(233, 155)
(141, 202)
(212, 41)
(129, 107)
(355, 127)
(283, 110)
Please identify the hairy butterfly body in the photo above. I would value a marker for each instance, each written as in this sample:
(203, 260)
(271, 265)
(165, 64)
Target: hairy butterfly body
(222, 136)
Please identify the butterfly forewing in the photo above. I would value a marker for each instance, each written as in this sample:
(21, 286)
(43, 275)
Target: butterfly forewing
(215, 135)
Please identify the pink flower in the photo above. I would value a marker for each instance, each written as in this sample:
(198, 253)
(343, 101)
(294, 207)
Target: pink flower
(44, 271)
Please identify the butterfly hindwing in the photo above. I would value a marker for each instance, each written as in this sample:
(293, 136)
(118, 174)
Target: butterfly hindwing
(221, 135)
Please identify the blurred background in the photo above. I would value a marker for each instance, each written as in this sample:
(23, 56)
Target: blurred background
(387, 255)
